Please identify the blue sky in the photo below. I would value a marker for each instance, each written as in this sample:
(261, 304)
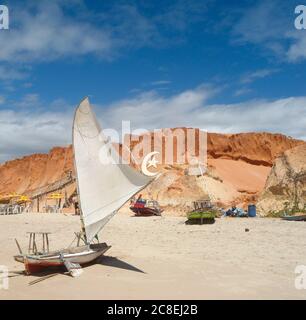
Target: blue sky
(224, 66)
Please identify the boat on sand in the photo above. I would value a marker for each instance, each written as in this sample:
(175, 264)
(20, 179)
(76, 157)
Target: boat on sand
(104, 185)
(143, 207)
(295, 218)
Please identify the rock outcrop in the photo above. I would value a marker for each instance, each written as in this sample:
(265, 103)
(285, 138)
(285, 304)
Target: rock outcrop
(285, 189)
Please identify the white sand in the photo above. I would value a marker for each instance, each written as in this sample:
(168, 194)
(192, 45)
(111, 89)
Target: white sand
(161, 258)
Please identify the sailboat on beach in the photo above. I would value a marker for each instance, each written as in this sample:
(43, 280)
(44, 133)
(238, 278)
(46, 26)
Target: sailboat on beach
(104, 185)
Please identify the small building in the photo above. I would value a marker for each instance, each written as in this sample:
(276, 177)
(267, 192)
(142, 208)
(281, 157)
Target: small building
(197, 170)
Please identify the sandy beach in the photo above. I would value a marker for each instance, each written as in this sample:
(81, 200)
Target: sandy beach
(162, 258)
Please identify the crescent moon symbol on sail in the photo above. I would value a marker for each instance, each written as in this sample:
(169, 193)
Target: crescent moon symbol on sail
(144, 165)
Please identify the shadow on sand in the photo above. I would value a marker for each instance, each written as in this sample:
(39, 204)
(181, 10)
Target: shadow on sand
(117, 263)
(54, 271)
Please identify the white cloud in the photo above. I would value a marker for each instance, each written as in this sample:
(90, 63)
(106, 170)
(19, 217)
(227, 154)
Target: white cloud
(258, 74)
(270, 24)
(297, 50)
(150, 110)
(242, 92)
(48, 30)
(23, 132)
(29, 101)
(160, 82)
(28, 85)
(10, 73)
(191, 108)
(42, 32)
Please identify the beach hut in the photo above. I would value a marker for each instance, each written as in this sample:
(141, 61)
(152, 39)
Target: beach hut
(53, 202)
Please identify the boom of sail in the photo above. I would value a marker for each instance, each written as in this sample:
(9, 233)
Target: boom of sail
(104, 185)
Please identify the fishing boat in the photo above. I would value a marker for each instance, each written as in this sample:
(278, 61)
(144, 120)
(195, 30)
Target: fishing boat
(203, 213)
(294, 218)
(104, 185)
(144, 207)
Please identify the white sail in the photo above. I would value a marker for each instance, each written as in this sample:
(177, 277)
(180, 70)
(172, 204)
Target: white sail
(102, 187)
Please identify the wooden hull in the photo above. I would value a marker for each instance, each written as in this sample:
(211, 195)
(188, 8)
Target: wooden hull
(295, 218)
(200, 221)
(146, 211)
(80, 255)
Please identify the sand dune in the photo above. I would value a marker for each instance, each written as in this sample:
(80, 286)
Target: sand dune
(241, 175)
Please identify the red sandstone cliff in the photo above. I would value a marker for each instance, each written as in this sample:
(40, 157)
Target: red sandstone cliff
(254, 148)
(238, 167)
(37, 170)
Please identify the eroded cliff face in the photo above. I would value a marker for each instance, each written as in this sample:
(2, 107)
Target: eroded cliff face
(225, 183)
(35, 171)
(285, 189)
(238, 165)
(255, 148)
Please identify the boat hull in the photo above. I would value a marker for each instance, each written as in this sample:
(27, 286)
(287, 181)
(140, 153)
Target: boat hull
(79, 255)
(145, 211)
(294, 218)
